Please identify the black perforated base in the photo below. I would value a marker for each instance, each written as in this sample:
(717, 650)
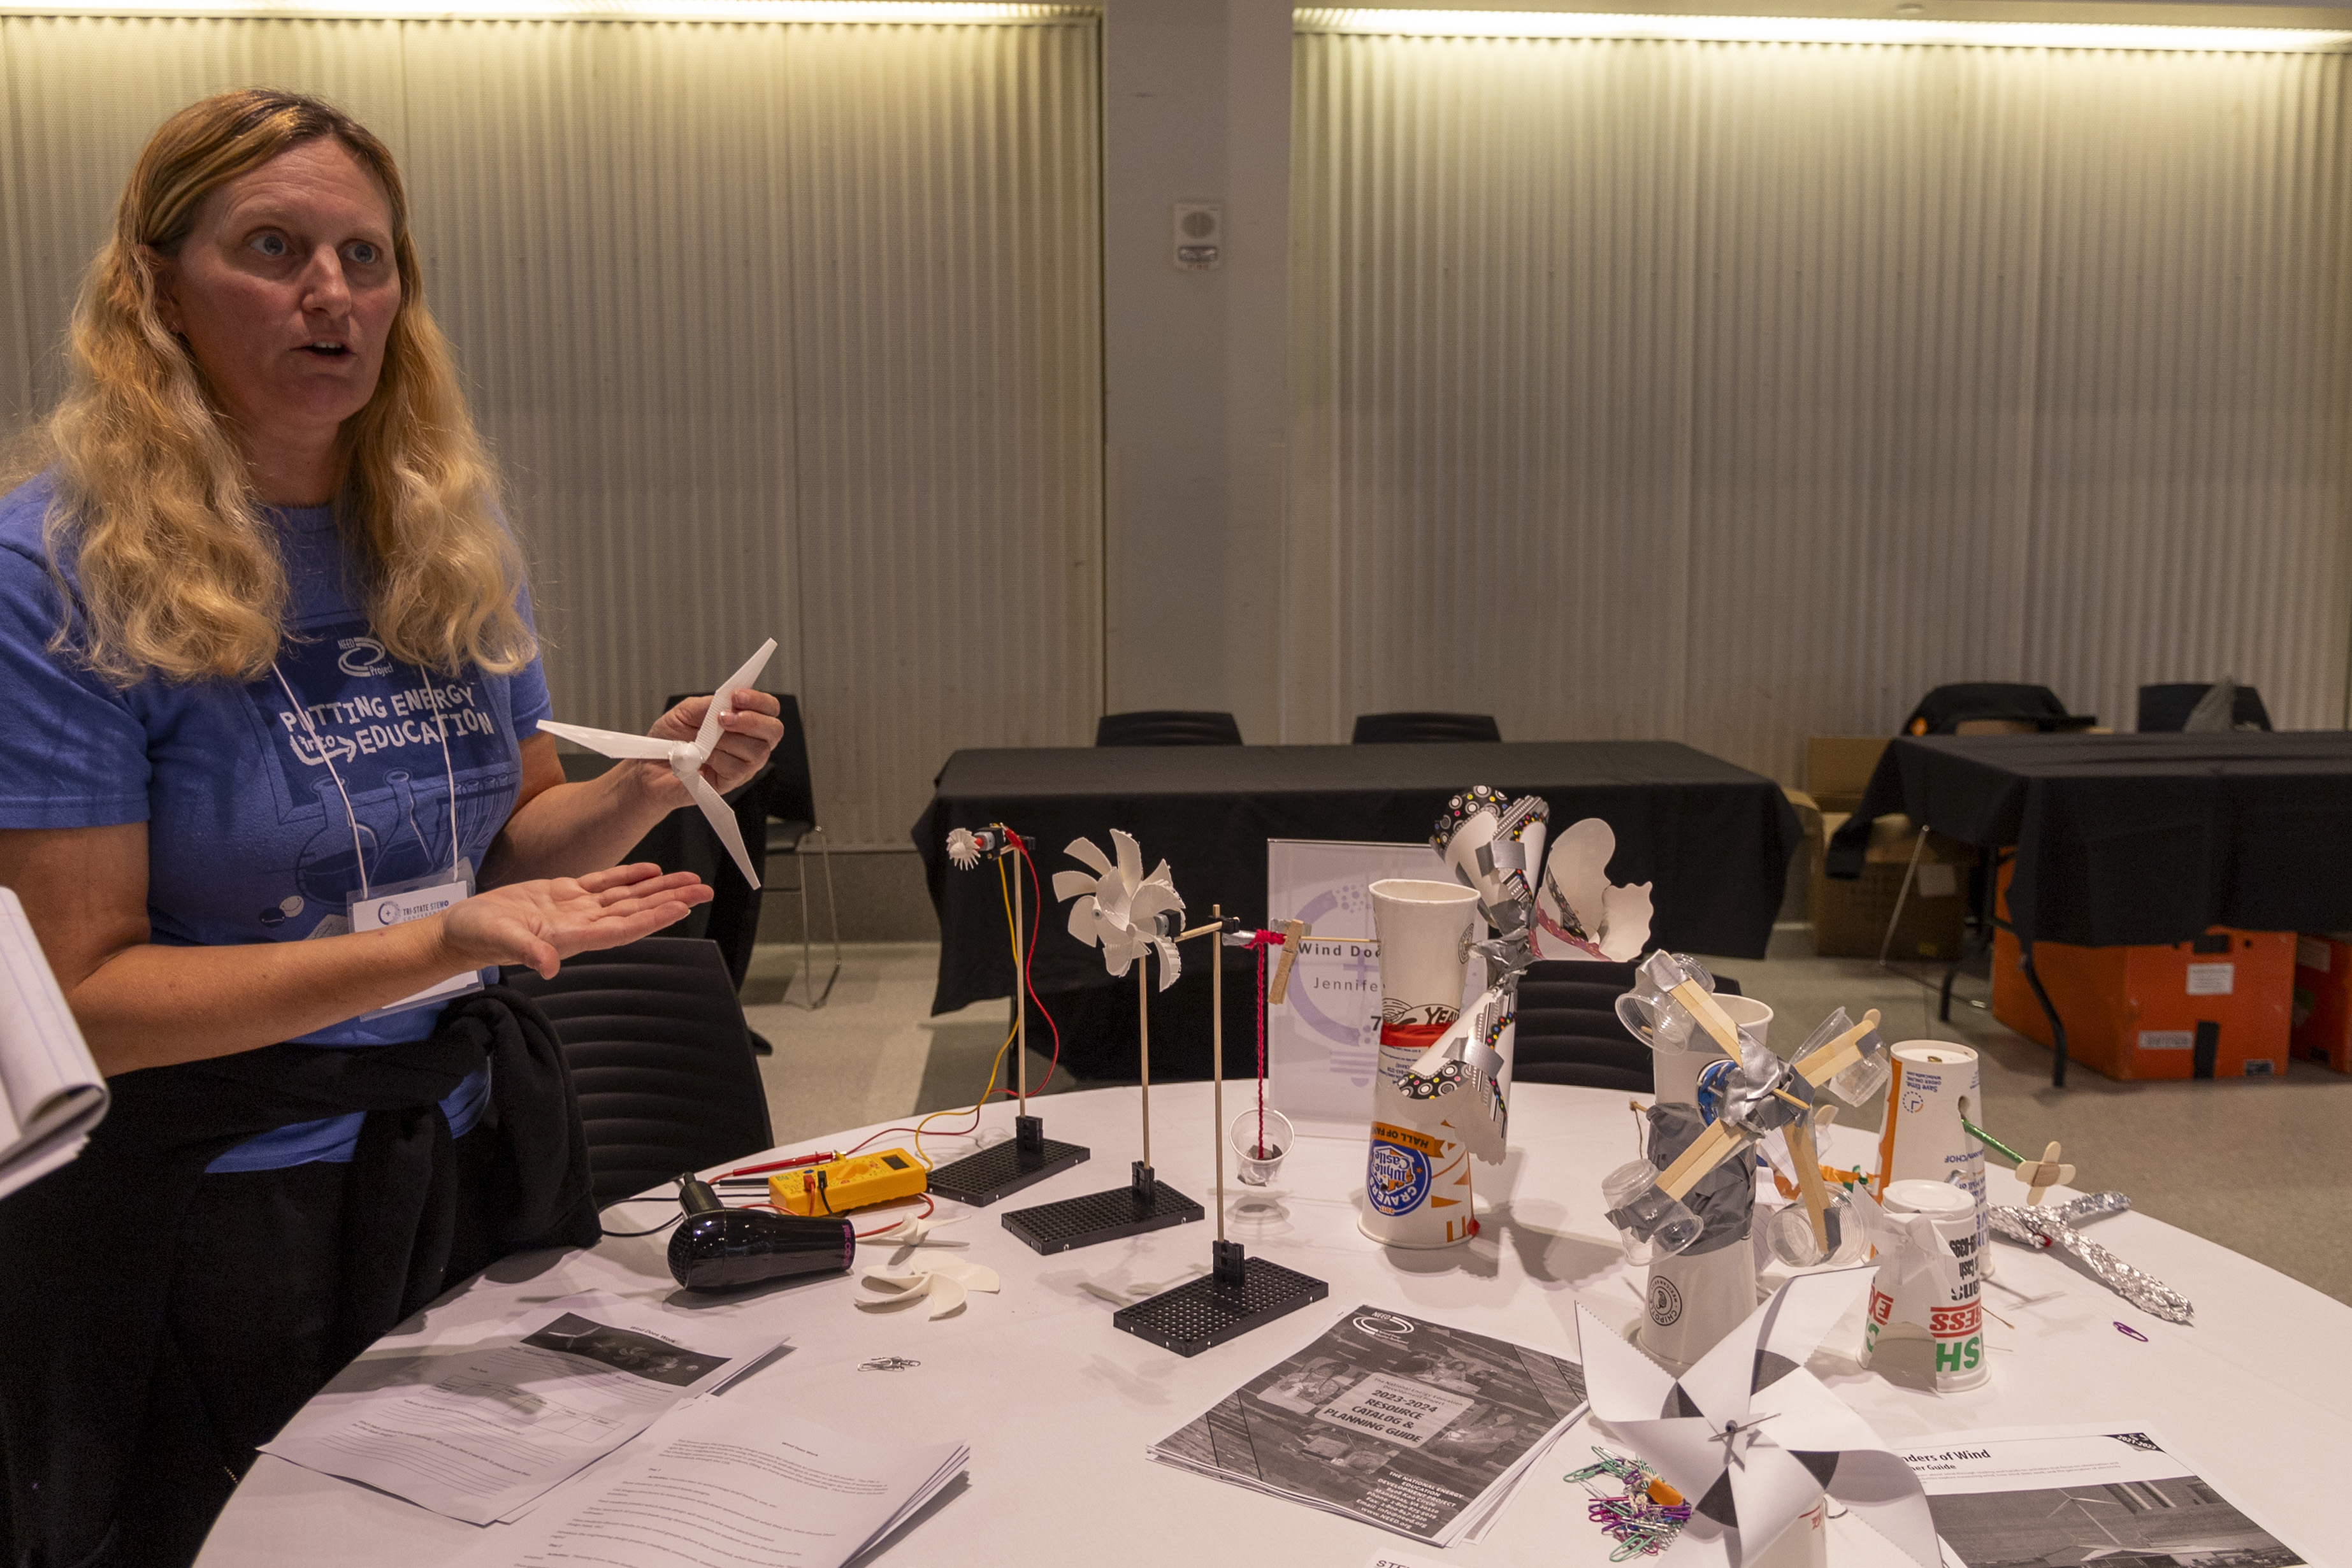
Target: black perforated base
(1202, 1312)
(1002, 1169)
(1100, 1217)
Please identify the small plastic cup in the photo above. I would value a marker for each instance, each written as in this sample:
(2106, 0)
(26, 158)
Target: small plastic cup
(1653, 1224)
(1789, 1234)
(1259, 1163)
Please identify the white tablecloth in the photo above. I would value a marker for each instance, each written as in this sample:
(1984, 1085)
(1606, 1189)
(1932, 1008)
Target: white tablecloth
(1058, 1406)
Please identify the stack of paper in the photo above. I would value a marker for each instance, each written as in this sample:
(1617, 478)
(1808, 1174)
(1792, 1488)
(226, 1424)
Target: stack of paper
(50, 1092)
(733, 1485)
(1417, 1427)
(482, 1432)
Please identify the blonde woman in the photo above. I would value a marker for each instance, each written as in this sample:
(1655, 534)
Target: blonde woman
(271, 793)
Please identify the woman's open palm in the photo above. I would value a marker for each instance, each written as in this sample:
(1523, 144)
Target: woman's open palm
(543, 923)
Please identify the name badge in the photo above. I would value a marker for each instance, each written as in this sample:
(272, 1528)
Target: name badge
(397, 904)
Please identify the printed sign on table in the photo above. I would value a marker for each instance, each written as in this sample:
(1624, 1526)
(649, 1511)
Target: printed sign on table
(1323, 1044)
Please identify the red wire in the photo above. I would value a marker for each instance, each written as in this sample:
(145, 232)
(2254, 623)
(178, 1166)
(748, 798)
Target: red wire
(928, 1206)
(1261, 948)
(1029, 984)
(1029, 959)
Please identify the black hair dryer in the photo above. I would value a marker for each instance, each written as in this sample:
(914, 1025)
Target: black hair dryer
(716, 1247)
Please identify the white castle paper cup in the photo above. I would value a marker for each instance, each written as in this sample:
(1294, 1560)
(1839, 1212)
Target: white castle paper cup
(1417, 1170)
(1935, 1085)
(1678, 1071)
(1952, 1323)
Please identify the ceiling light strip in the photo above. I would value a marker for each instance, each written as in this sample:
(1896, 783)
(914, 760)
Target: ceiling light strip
(1823, 30)
(936, 12)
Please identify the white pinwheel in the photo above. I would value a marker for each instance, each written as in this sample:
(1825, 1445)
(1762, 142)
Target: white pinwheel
(1749, 1436)
(686, 757)
(1118, 908)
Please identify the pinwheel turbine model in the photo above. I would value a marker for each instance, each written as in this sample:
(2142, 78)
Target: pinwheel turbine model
(1752, 1438)
(686, 757)
(1120, 908)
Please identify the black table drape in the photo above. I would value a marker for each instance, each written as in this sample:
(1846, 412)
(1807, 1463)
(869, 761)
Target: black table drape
(1715, 839)
(2128, 839)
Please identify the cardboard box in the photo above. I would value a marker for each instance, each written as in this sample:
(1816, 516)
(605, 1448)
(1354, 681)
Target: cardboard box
(2321, 1024)
(1838, 768)
(1797, 894)
(1850, 917)
(2215, 1007)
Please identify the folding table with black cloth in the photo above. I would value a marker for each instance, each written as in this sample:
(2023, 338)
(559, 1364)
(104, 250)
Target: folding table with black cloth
(2131, 840)
(1714, 838)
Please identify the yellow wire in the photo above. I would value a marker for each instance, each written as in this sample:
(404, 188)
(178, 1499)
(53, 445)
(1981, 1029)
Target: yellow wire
(1004, 892)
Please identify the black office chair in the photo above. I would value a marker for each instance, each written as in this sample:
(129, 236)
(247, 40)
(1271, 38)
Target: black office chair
(1406, 729)
(1167, 726)
(776, 813)
(1569, 1030)
(2168, 706)
(659, 1058)
(1945, 709)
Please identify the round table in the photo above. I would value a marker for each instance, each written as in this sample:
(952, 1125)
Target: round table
(1058, 1406)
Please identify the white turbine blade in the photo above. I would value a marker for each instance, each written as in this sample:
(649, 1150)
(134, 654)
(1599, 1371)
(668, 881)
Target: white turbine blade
(721, 817)
(1172, 963)
(1084, 850)
(722, 701)
(1884, 1493)
(1769, 1488)
(1624, 1384)
(1086, 923)
(1071, 884)
(1130, 859)
(610, 742)
(1685, 1449)
(946, 1294)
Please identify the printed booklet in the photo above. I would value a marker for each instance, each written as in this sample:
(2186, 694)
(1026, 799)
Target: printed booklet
(1416, 1427)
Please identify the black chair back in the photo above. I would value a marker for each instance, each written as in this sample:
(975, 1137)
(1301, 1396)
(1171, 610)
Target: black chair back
(1945, 709)
(660, 1059)
(2168, 706)
(1406, 729)
(1167, 726)
(1569, 1030)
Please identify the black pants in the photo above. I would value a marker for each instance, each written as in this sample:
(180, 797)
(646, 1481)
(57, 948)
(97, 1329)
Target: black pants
(251, 1338)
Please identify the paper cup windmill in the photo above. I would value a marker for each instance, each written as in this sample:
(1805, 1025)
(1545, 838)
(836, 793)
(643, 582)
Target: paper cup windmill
(1752, 1438)
(686, 757)
(1118, 908)
(1579, 915)
(1751, 1098)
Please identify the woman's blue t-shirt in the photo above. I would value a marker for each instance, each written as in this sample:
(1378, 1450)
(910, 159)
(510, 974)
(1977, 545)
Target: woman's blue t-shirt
(248, 839)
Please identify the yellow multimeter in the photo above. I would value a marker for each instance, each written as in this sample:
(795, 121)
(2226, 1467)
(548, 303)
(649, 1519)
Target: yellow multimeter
(839, 1185)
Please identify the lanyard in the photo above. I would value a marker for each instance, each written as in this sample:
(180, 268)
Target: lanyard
(448, 768)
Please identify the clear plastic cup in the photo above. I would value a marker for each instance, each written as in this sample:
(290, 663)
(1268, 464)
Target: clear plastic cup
(1652, 1224)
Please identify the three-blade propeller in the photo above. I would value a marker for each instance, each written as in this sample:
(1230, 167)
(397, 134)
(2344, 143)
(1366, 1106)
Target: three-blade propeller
(686, 757)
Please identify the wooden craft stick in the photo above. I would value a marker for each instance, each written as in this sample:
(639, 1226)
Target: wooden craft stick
(1838, 1054)
(1810, 1185)
(1294, 932)
(1708, 1150)
(2044, 1174)
(1701, 1003)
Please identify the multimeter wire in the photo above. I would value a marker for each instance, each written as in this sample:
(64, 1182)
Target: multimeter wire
(996, 1068)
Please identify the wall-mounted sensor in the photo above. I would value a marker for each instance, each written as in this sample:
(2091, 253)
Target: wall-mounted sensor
(1199, 233)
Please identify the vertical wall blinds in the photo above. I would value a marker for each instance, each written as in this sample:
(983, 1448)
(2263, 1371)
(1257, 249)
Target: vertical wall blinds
(777, 328)
(1741, 391)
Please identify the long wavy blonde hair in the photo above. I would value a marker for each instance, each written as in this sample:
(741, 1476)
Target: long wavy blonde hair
(180, 571)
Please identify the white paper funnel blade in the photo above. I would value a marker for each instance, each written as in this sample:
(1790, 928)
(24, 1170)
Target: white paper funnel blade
(1417, 1183)
(1695, 1299)
(1421, 926)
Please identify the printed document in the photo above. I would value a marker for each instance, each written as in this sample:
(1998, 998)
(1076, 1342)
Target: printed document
(730, 1486)
(479, 1432)
(1415, 1426)
(2061, 1497)
(51, 1094)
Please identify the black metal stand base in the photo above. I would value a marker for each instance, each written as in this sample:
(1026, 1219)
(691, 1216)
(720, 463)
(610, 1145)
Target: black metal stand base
(1241, 1294)
(1145, 1203)
(1002, 1169)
